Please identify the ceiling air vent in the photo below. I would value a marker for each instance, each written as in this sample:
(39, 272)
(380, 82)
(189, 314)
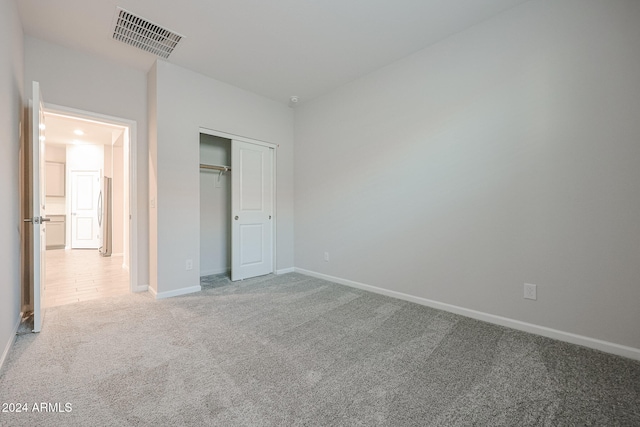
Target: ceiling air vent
(143, 34)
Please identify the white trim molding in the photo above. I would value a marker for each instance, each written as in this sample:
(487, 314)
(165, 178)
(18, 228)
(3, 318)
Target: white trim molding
(607, 347)
(142, 288)
(12, 340)
(227, 135)
(175, 293)
(286, 270)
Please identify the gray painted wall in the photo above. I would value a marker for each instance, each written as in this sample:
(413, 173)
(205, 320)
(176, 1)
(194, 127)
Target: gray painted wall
(152, 117)
(186, 101)
(78, 80)
(11, 106)
(505, 154)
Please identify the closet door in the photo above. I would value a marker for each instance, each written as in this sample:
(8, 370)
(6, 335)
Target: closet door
(252, 210)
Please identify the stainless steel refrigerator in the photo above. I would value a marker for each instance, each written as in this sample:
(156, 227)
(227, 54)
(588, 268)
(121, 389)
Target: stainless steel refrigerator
(105, 217)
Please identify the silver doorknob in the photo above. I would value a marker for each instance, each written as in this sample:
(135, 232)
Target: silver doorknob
(269, 216)
(37, 220)
(236, 218)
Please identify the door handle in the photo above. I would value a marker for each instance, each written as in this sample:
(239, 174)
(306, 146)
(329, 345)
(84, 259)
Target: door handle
(37, 220)
(236, 217)
(99, 209)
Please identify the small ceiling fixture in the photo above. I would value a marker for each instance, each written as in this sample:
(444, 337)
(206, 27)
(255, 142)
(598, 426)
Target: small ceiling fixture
(144, 34)
(78, 132)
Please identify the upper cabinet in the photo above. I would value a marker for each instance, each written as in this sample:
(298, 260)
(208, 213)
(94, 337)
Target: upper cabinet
(55, 179)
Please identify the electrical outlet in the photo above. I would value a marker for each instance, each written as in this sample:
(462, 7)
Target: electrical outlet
(326, 256)
(530, 291)
(189, 265)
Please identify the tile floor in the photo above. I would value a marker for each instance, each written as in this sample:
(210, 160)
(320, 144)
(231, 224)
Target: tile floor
(82, 274)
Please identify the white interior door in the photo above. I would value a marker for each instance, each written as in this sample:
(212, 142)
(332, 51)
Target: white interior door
(39, 238)
(252, 210)
(85, 207)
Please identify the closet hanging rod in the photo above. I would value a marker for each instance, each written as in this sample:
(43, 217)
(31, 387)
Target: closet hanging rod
(215, 167)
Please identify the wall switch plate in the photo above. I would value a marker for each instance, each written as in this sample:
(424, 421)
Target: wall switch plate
(189, 265)
(530, 291)
(326, 256)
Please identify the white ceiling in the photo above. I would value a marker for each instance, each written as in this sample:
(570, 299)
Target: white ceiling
(276, 48)
(61, 129)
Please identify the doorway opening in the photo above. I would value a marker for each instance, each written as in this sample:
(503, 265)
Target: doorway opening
(90, 186)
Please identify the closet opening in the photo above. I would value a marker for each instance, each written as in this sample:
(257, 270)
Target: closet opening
(237, 208)
(215, 211)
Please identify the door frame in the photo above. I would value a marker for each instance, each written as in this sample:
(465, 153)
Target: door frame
(132, 125)
(231, 136)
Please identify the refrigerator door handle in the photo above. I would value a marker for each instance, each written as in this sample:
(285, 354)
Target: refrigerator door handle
(99, 209)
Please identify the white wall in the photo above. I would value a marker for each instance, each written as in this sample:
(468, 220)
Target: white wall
(125, 198)
(215, 206)
(118, 193)
(107, 166)
(505, 154)
(56, 153)
(187, 101)
(11, 105)
(152, 117)
(114, 169)
(78, 80)
(88, 157)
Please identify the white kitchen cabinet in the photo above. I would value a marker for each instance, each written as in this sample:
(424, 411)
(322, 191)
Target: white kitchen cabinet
(56, 232)
(55, 179)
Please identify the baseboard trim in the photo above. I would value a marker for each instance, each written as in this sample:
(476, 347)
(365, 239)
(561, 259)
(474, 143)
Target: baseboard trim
(175, 293)
(141, 288)
(286, 270)
(216, 271)
(12, 340)
(605, 346)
